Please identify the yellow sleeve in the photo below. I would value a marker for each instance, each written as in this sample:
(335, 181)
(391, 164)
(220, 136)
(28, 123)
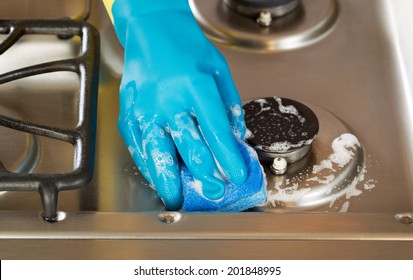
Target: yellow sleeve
(108, 6)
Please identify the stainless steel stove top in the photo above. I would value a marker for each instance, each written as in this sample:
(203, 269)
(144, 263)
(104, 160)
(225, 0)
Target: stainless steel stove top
(359, 74)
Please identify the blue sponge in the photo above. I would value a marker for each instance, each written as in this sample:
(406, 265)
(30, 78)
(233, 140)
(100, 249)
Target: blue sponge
(237, 197)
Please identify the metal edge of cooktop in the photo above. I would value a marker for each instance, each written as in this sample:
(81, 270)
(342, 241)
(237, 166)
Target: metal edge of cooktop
(195, 226)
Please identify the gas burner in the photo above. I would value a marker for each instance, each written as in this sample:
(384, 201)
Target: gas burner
(20, 151)
(280, 128)
(265, 26)
(326, 169)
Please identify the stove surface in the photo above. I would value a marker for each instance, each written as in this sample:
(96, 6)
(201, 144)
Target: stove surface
(356, 74)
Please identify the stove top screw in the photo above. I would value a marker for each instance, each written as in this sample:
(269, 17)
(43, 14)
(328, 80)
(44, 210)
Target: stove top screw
(264, 19)
(405, 218)
(169, 217)
(279, 166)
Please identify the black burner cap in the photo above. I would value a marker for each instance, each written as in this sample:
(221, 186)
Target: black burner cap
(280, 125)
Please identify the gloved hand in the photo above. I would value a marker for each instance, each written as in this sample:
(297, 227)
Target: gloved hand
(176, 94)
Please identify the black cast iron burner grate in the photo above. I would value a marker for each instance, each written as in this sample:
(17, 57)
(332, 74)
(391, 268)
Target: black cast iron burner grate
(83, 137)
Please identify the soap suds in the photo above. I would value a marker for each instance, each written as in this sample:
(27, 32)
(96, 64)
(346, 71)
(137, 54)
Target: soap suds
(290, 109)
(286, 194)
(195, 158)
(163, 162)
(236, 110)
(237, 120)
(344, 207)
(327, 179)
(248, 134)
(282, 147)
(343, 151)
(262, 103)
(153, 137)
(197, 186)
(296, 188)
(184, 124)
(370, 184)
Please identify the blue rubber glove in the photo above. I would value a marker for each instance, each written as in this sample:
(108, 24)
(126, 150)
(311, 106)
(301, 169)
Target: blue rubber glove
(177, 94)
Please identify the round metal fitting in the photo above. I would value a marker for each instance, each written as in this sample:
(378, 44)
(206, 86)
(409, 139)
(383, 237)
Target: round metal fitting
(169, 217)
(279, 166)
(276, 8)
(405, 218)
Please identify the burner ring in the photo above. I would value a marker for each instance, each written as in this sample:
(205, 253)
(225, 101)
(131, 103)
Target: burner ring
(308, 24)
(325, 176)
(277, 8)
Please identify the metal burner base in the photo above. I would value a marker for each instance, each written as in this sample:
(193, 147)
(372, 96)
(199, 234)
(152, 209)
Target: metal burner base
(306, 25)
(333, 169)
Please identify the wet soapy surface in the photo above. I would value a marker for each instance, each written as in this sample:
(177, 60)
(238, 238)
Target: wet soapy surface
(324, 182)
(337, 175)
(290, 190)
(279, 125)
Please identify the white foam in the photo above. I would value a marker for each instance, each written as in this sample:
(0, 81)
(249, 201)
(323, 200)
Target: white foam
(163, 162)
(237, 121)
(327, 179)
(344, 207)
(195, 158)
(197, 186)
(184, 124)
(282, 147)
(344, 148)
(286, 194)
(290, 109)
(262, 103)
(343, 151)
(352, 189)
(236, 110)
(248, 134)
(370, 184)
(151, 137)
